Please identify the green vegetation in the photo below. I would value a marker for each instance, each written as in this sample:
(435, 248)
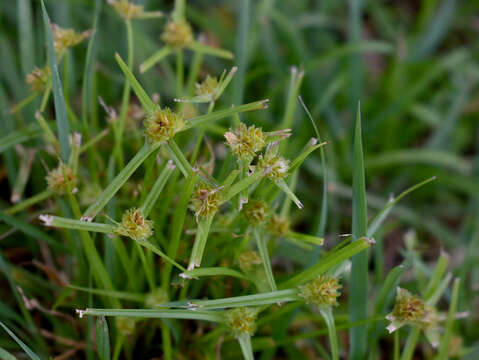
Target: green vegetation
(239, 179)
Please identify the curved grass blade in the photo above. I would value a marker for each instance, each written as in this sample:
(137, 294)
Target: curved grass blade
(328, 317)
(58, 97)
(19, 136)
(25, 348)
(155, 58)
(102, 338)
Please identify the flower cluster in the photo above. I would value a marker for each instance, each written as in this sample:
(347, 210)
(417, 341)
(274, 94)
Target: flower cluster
(134, 225)
(245, 141)
(279, 225)
(157, 297)
(241, 321)
(324, 290)
(163, 125)
(256, 212)
(207, 87)
(206, 200)
(275, 167)
(38, 79)
(125, 325)
(177, 34)
(61, 179)
(126, 9)
(64, 39)
(248, 259)
(409, 308)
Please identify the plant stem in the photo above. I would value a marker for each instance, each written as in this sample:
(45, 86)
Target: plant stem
(263, 253)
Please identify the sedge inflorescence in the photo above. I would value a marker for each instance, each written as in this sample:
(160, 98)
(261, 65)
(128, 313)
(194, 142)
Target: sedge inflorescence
(64, 39)
(241, 321)
(134, 225)
(256, 212)
(408, 308)
(207, 87)
(275, 166)
(279, 225)
(245, 141)
(177, 34)
(206, 200)
(248, 259)
(38, 79)
(163, 124)
(61, 180)
(126, 9)
(324, 290)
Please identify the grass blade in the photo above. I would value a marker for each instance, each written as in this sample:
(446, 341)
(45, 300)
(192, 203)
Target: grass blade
(446, 339)
(102, 338)
(246, 348)
(213, 271)
(58, 97)
(359, 268)
(155, 58)
(155, 314)
(119, 180)
(328, 317)
(263, 253)
(25, 348)
(157, 188)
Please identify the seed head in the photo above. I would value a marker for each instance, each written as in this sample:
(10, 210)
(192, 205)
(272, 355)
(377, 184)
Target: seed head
(125, 325)
(163, 125)
(324, 290)
(409, 308)
(207, 87)
(256, 212)
(275, 166)
(64, 39)
(38, 79)
(134, 225)
(241, 320)
(248, 259)
(177, 34)
(61, 179)
(155, 298)
(245, 141)
(279, 225)
(126, 9)
(205, 201)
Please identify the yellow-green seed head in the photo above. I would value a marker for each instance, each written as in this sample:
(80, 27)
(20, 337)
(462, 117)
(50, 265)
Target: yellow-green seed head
(205, 201)
(61, 179)
(38, 79)
(279, 225)
(125, 325)
(408, 307)
(64, 39)
(126, 9)
(134, 225)
(248, 259)
(275, 166)
(207, 87)
(163, 125)
(256, 212)
(241, 320)
(155, 298)
(324, 290)
(245, 141)
(177, 34)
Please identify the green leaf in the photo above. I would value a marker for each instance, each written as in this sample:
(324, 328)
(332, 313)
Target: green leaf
(328, 262)
(116, 294)
(296, 163)
(264, 255)
(210, 50)
(247, 300)
(246, 348)
(102, 338)
(155, 314)
(25, 348)
(65, 223)
(155, 58)
(145, 100)
(359, 267)
(156, 190)
(213, 271)
(58, 98)
(5, 355)
(119, 180)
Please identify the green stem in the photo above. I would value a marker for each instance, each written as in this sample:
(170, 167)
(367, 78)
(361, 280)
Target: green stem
(246, 348)
(200, 242)
(412, 339)
(263, 253)
(29, 202)
(327, 314)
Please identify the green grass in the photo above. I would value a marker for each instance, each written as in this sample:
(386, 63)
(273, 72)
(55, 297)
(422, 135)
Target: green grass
(376, 197)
